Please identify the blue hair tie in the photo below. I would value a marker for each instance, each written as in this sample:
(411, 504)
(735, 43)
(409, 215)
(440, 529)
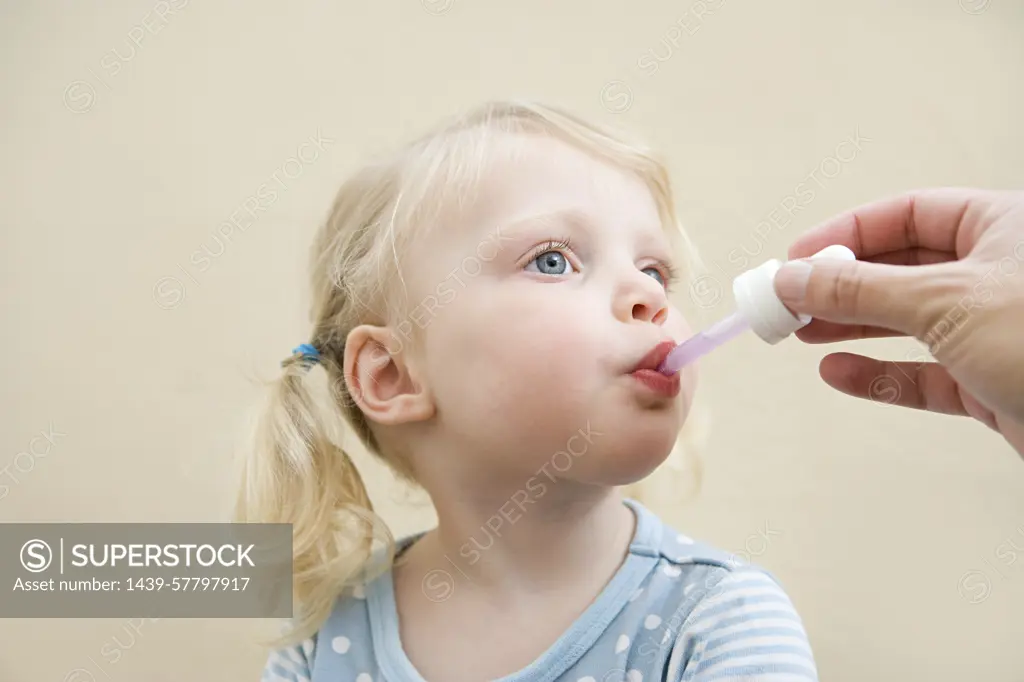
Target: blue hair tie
(307, 354)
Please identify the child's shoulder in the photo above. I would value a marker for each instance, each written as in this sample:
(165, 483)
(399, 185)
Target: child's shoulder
(677, 550)
(346, 632)
(696, 595)
(688, 574)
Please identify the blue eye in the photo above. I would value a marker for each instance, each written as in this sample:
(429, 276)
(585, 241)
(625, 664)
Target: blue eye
(551, 263)
(550, 259)
(656, 274)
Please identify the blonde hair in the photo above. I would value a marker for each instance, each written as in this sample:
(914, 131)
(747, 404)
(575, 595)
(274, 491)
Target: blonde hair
(295, 472)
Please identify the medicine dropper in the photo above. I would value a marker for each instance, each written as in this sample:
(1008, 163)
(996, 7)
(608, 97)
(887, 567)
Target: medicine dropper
(759, 309)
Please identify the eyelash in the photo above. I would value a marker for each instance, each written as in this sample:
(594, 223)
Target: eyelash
(558, 245)
(669, 274)
(668, 271)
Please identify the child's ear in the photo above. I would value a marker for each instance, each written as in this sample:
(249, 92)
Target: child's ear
(380, 379)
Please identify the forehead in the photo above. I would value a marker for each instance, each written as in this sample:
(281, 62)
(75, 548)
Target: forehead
(535, 174)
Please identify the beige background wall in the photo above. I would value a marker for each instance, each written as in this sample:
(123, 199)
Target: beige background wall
(121, 160)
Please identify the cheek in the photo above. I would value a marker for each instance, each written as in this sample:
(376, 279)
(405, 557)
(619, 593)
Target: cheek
(529, 355)
(677, 325)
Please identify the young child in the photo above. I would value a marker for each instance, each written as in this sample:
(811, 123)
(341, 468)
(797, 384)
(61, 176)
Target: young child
(489, 306)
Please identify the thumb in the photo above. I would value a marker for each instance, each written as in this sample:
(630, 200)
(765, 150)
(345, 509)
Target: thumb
(907, 299)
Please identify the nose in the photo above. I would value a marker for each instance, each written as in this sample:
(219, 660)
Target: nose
(640, 298)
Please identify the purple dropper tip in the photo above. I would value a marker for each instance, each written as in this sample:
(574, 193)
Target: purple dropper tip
(703, 343)
(685, 353)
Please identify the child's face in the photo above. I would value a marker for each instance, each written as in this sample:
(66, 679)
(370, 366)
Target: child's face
(528, 349)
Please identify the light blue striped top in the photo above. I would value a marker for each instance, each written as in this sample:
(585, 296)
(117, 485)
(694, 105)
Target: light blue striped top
(677, 610)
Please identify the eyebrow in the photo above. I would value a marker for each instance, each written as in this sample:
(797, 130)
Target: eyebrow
(567, 216)
(577, 219)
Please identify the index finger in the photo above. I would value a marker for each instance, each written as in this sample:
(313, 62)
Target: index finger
(922, 219)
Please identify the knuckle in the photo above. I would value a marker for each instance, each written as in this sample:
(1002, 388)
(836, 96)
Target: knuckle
(847, 291)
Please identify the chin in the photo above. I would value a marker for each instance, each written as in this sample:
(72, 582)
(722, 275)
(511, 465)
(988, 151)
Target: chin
(629, 458)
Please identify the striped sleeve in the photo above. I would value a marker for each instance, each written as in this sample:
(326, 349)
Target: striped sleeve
(290, 664)
(745, 629)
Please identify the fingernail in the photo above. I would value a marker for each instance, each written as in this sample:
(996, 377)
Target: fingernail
(791, 281)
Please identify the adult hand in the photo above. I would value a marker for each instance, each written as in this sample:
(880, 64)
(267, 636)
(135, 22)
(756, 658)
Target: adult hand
(945, 266)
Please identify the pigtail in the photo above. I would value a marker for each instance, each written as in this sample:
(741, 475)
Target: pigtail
(295, 473)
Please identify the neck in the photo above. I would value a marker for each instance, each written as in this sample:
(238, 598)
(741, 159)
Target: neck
(524, 537)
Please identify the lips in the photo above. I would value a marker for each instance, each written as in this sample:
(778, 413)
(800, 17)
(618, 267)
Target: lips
(655, 357)
(650, 379)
